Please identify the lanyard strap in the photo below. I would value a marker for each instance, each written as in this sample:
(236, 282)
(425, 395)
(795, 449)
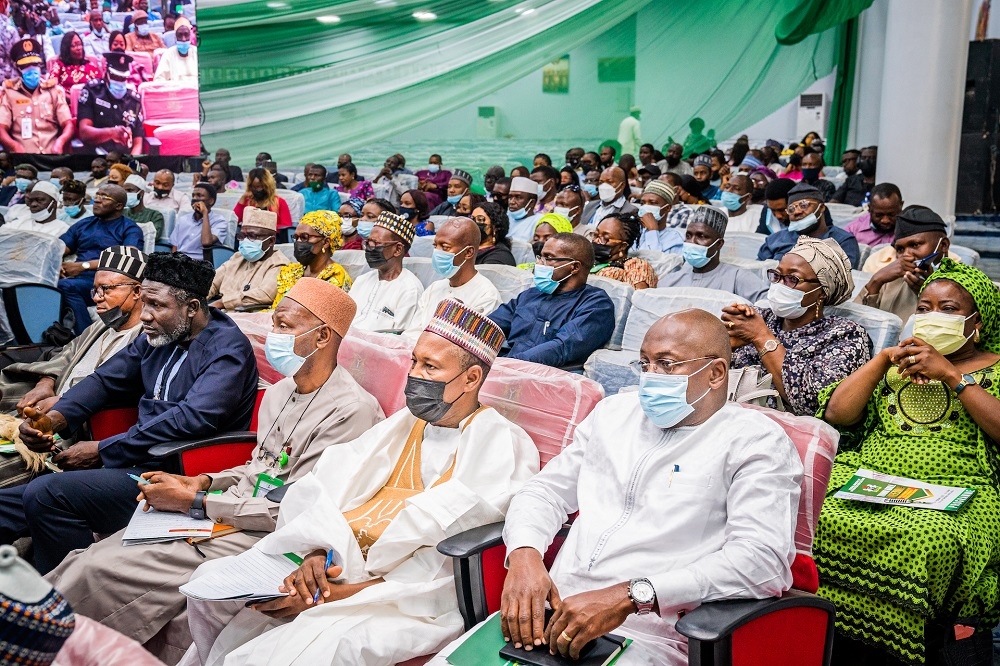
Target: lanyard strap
(170, 370)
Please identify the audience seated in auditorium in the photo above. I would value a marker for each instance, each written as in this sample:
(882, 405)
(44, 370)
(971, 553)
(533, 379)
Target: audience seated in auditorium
(802, 347)
(387, 296)
(393, 180)
(361, 224)
(95, 42)
(118, 173)
(98, 173)
(501, 192)
(702, 542)
(350, 215)
(569, 203)
(180, 61)
(702, 173)
(34, 115)
(812, 174)
(223, 157)
(107, 227)
(490, 178)
(366, 499)
(13, 192)
(248, 280)
(612, 197)
(920, 242)
(612, 239)
(133, 589)
(578, 318)
(877, 225)
(654, 208)
(855, 190)
(807, 217)
(109, 113)
(414, 207)
(165, 195)
(910, 585)
(189, 356)
(60, 176)
(317, 195)
(547, 180)
(454, 260)
(261, 192)
(458, 186)
(200, 228)
(349, 184)
(433, 181)
(703, 267)
(467, 203)
(493, 223)
(548, 225)
(736, 194)
(261, 162)
(74, 194)
(775, 217)
(316, 238)
(72, 66)
(142, 39)
(135, 190)
(38, 213)
(521, 202)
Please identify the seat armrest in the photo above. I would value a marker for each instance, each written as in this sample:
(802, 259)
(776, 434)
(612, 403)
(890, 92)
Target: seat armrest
(175, 448)
(472, 542)
(713, 621)
(277, 494)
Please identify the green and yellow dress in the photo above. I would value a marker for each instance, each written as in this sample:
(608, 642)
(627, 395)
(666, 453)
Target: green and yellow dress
(289, 274)
(891, 570)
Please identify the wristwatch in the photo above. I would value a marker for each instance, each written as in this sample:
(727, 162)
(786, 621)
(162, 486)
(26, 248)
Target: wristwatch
(197, 510)
(85, 265)
(642, 594)
(768, 347)
(967, 380)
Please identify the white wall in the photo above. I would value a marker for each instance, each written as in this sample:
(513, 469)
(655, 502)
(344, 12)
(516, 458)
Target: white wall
(781, 125)
(867, 102)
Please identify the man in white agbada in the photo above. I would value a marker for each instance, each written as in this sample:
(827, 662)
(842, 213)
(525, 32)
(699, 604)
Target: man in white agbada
(387, 296)
(456, 244)
(683, 498)
(442, 466)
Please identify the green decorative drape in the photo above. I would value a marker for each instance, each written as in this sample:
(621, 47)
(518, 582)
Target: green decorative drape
(843, 91)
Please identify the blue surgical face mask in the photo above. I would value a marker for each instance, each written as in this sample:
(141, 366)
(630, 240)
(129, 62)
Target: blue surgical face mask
(772, 223)
(806, 223)
(543, 278)
(21, 184)
(131, 199)
(72, 211)
(252, 250)
(117, 89)
(142, 29)
(518, 214)
(590, 189)
(183, 47)
(433, 168)
(444, 262)
(663, 398)
(731, 200)
(365, 228)
(31, 76)
(279, 348)
(455, 199)
(697, 255)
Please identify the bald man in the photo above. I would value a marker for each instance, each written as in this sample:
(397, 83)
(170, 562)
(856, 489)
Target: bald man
(726, 476)
(454, 259)
(165, 196)
(612, 197)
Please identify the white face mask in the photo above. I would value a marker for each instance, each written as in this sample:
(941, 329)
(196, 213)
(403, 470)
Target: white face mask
(786, 302)
(42, 215)
(568, 213)
(945, 332)
(651, 209)
(607, 192)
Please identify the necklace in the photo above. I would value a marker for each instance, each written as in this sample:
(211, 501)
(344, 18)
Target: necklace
(279, 457)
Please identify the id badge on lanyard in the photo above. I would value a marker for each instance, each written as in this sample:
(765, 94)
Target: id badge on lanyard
(266, 484)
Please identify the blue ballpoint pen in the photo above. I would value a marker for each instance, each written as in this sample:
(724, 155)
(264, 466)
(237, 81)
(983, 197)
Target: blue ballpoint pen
(329, 562)
(139, 479)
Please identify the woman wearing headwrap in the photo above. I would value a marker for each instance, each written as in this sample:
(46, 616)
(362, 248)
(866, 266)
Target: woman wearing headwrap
(548, 225)
(804, 349)
(919, 586)
(316, 239)
(350, 213)
(493, 223)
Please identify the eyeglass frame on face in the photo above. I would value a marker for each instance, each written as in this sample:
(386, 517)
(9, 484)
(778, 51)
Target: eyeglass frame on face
(791, 281)
(242, 235)
(547, 260)
(482, 219)
(608, 240)
(106, 197)
(297, 238)
(663, 364)
(103, 288)
(794, 208)
(371, 244)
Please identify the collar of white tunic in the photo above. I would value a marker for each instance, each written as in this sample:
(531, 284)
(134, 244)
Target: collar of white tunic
(438, 450)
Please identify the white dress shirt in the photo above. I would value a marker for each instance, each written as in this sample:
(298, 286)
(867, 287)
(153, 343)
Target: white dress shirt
(478, 294)
(386, 305)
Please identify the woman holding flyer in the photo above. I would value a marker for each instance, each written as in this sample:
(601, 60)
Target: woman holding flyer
(918, 585)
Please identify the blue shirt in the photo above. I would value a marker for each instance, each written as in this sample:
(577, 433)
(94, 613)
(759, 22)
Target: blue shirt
(556, 329)
(213, 390)
(779, 243)
(92, 235)
(186, 236)
(325, 199)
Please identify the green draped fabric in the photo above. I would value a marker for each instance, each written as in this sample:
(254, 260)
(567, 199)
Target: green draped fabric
(843, 91)
(809, 17)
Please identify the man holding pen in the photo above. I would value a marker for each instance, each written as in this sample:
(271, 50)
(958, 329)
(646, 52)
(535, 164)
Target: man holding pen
(317, 405)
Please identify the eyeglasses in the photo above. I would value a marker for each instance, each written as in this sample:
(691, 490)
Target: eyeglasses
(602, 239)
(788, 280)
(244, 235)
(481, 219)
(548, 260)
(106, 197)
(662, 366)
(803, 207)
(306, 238)
(100, 289)
(370, 244)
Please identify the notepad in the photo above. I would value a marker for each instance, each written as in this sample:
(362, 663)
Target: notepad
(160, 526)
(249, 576)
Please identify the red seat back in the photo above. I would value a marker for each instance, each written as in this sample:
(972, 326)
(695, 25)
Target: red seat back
(179, 138)
(216, 458)
(166, 102)
(788, 636)
(111, 422)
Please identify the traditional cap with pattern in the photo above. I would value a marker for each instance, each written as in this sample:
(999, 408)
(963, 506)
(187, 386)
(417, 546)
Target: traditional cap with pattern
(398, 225)
(180, 271)
(473, 332)
(661, 189)
(464, 176)
(124, 259)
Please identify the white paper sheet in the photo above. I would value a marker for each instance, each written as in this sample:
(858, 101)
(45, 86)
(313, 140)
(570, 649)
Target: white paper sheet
(157, 526)
(250, 575)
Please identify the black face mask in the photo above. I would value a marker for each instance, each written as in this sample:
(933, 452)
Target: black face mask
(303, 252)
(673, 161)
(866, 167)
(502, 200)
(161, 194)
(758, 195)
(483, 232)
(375, 257)
(114, 317)
(602, 253)
(425, 398)
(810, 174)
(536, 247)
(260, 195)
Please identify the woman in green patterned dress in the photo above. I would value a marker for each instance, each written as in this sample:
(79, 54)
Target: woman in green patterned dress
(919, 586)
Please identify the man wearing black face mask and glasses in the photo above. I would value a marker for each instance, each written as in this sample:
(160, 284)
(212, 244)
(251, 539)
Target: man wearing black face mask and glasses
(116, 295)
(387, 297)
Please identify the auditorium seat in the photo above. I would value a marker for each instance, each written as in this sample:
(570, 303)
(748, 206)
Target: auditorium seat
(144, 61)
(522, 251)
(742, 245)
(621, 295)
(883, 327)
(966, 254)
(843, 214)
(421, 267)
(353, 262)
(179, 138)
(168, 102)
(296, 202)
(759, 266)
(509, 280)
(662, 262)
(422, 246)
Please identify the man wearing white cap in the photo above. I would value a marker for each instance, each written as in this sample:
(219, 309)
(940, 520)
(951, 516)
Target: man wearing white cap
(180, 61)
(38, 212)
(135, 191)
(521, 209)
(249, 279)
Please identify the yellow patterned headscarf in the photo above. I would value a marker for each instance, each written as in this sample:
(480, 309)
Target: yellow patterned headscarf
(561, 224)
(327, 224)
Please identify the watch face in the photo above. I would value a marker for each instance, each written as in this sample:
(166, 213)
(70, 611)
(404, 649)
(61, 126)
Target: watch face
(642, 591)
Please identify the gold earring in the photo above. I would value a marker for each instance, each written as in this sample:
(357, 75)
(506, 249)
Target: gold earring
(817, 309)
(975, 337)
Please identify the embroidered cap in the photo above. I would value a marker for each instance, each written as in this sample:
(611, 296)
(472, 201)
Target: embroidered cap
(473, 332)
(180, 271)
(31, 631)
(703, 160)
(328, 302)
(398, 225)
(464, 176)
(262, 219)
(661, 189)
(129, 261)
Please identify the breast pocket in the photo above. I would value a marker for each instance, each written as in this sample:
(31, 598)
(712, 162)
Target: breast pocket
(687, 500)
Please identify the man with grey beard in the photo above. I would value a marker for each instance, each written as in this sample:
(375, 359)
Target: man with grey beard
(192, 373)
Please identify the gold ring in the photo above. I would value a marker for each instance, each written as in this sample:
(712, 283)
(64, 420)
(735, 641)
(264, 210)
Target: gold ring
(731, 324)
(566, 637)
(912, 359)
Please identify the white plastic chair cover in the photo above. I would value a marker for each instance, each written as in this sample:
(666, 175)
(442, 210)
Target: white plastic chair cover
(287, 249)
(523, 254)
(883, 327)
(510, 281)
(353, 262)
(864, 251)
(296, 204)
(27, 257)
(422, 246)
(169, 219)
(761, 267)
(966, 254)
(148, 236)
(663, 263)
(621, 295)
(843, 214)
(860, 280)
(421, 267)
(743, 245)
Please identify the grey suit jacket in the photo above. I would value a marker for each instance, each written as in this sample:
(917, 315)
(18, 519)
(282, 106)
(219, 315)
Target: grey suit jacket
(592, 206)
